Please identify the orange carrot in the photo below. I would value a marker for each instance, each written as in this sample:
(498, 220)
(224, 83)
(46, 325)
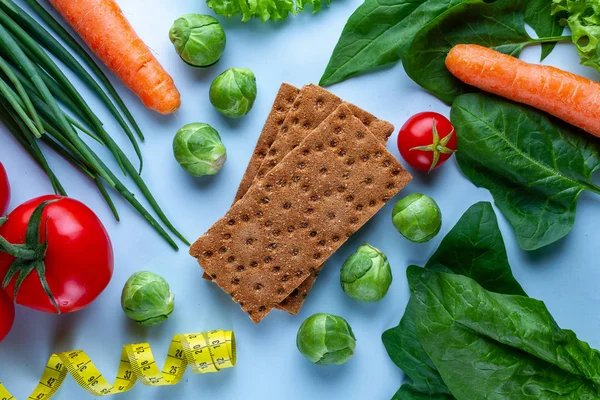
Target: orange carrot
(567, 96)
(102, 25)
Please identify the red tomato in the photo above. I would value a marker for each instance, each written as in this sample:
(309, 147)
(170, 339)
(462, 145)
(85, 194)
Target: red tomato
(78, 260)
(427, 140)
(4, 191)
(7, 314)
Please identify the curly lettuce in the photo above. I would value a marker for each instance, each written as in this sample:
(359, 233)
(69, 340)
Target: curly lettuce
(266, 10)
(583, 18)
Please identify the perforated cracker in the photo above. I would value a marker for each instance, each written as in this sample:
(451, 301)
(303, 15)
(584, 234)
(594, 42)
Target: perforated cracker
(283, 103)
(311, 107)
(284, 100)
(288, 224)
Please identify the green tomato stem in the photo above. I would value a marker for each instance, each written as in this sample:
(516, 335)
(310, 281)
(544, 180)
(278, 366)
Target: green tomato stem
(438, 146)
(30, 255)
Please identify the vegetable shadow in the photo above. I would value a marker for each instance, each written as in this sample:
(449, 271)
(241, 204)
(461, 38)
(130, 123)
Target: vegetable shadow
(232, 123)
(320, 374)
(218, 295)
(199, 73)
(202, 182)
(539, 256)
(65, 332)
(144, 333)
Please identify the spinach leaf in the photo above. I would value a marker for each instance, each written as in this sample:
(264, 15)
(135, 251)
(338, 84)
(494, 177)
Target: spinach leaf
(379, 32)
(474, 247)
(499, 25)
(404, 349)
(535, 167)
(490, 345)
(536, 16)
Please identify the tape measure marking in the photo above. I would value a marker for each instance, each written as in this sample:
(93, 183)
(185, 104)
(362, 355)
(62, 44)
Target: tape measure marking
(204, 352)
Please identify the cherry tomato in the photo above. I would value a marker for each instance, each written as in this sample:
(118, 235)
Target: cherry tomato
(7, 314)
(78, 260)
(427, 140)
(4, 191)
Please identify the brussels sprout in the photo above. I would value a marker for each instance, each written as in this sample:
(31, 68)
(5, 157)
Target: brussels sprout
(366, 275)
(233, 92)
(417, 217)
(198, 39)
(326, 339)
(198, 149)
(147, 299)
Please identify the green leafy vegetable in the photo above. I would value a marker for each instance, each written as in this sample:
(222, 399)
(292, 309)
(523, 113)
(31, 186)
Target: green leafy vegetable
(499, 25)
(475, 248)
(498, 344)
(275, 10)
(147, 298)
(534, 166)
(326, 339)
(382, 31)
(417, 217)
(198, 39)
(583, 18)
(197, 147)
(366, 275)
(461, 340)
(233, 92)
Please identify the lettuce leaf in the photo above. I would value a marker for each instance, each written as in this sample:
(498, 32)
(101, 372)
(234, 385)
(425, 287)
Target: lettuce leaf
(266, 10)
(583, 18)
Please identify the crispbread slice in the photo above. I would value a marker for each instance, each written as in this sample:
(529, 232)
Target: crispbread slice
(311, 107)
(314, 104)
(303, 210)
(294, 302)
(283, 103)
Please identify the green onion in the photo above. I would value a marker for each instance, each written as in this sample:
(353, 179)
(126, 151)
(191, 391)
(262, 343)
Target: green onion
(49, 42)
(31, 88)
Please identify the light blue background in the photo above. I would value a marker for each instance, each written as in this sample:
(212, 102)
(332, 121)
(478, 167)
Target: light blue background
(565, 276)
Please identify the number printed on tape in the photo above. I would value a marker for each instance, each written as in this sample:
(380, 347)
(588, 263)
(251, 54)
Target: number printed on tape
(204, 352)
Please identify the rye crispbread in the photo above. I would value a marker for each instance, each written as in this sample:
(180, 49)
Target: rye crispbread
(284, 100)
(303, 210)
(283, 103)
(312, 105)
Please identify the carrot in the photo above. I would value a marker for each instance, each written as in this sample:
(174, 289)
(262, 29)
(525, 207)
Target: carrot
(102, 25)
(567, 96)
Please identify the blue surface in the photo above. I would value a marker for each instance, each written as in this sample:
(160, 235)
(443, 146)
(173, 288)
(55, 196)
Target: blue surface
(565, 276)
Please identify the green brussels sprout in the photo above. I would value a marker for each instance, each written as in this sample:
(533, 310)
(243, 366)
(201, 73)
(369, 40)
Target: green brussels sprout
(326, 339)
(417, 217)
(233, 92)
(198, 39)
(366, 275)
(198, 149)
(147, 299)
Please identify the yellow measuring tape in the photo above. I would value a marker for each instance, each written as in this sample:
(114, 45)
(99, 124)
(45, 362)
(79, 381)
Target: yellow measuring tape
(203, 352)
